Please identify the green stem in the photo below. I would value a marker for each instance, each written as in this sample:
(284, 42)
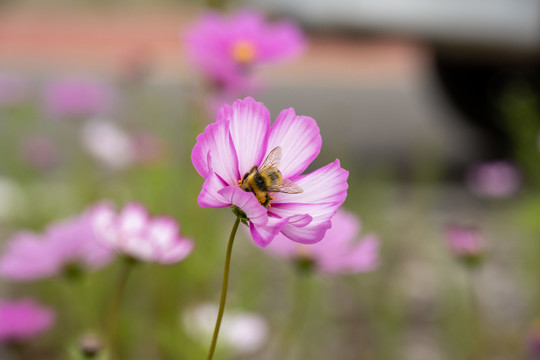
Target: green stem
(17, 350)
(298, 314)
(224, 287)
(114, 306)
(476, 335)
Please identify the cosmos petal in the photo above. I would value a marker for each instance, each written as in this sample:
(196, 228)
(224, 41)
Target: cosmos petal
(205, 46)
(103, 221)
(263, 235)
(314, 231)
(360, 258)
(309, 234)
(137, 246)
(345, 228)
(247, 202)
(300, 220)
(23, 259)
(249, 123)
(133, 219)
(365, 255)
(199, 154)
(162, 230)
(339, 252)
(324, 191)
(300, 141)
(327, 184)
(215, 144)
(283, 247)
(178, 252)
(287, 42)
(209, 195)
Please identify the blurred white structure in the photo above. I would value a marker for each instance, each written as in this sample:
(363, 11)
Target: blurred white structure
(242, 332)
(108, 143)
(511, 24)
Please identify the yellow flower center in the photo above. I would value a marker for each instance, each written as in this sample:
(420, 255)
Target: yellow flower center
(243, 52)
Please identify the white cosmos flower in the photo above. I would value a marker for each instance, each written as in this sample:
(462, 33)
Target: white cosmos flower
(243, 332)
(108, 143)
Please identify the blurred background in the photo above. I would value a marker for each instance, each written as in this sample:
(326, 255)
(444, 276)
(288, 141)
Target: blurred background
(433, 107)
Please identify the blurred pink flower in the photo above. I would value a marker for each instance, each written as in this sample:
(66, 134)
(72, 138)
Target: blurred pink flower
(133, 233)
(241, 138)
(466, 243)
(13, 90)
(72, 97)
(226, 48)
(39, 152)
(497, 179)
(339, 252)
(66, 245)
(22, 320)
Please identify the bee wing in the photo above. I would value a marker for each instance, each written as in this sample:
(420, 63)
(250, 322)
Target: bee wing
(287, 186)
(273, 159)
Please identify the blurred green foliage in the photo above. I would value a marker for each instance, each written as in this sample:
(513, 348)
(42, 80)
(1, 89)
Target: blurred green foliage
(420, 304)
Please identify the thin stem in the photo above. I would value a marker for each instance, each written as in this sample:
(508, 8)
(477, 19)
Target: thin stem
(298, 314)
(17, 350)
(476, 334)
(224, 288)
(114, 305)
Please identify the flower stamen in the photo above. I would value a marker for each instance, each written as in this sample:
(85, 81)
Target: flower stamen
(243, 52)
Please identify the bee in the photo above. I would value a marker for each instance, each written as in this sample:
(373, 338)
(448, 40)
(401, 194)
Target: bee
(266, 179)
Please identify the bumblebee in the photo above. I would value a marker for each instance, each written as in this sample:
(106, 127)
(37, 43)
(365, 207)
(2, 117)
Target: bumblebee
(266, 179)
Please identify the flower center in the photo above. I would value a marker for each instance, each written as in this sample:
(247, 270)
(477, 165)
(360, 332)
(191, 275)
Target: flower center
(304, 260)
(243, 52)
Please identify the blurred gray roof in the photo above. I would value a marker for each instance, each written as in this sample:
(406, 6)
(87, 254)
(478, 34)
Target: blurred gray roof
(499, 23)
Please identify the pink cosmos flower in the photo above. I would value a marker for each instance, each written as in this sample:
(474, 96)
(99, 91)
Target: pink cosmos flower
(13, 90)
(241, 138)
(465, 242)
(72, 97)
(226, 49)
(133, 233)
(22, 320)
(496, 179)
(65, 244)
(338, 252)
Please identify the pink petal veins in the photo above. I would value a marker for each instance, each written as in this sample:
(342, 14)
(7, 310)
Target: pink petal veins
(249, 122)
(300, 141)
